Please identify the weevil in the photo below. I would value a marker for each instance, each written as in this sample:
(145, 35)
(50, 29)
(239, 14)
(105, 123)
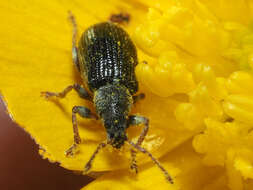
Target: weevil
(106, 59)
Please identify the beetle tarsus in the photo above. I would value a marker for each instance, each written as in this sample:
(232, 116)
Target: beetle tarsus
(87, 168)
(47, 95)
(134, 165)
(72, 150)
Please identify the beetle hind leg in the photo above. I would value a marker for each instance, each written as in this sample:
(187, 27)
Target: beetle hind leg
(74, 36)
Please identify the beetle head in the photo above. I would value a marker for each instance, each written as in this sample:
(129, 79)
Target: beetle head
(116, 139)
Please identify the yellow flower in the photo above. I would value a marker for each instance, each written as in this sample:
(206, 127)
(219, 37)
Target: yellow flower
(197, 80)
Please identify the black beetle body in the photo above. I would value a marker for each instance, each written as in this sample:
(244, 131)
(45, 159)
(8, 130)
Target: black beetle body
(107, 59)
(107, 55)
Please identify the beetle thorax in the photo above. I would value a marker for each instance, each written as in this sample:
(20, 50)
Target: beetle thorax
(113, 103)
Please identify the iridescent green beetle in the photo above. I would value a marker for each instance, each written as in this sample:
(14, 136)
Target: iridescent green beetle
(106, 59)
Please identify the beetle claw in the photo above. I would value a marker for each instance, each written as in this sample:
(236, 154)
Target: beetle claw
(87, 168)
(72, 150)
(134, 167)
(46, 95)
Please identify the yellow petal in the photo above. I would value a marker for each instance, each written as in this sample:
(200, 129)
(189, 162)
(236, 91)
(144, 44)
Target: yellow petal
(194, 51)
(36, 56)
(186, 176)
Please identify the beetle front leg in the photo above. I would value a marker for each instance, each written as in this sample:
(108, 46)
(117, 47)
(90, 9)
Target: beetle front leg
(85, 113)
(136, 120)
(89, 163)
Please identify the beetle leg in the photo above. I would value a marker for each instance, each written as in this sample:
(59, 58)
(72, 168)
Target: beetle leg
(144, 151)
(136, 120)
(138, 97)
(74, 35)
(85, 113)
(88, 164)
(82, 92)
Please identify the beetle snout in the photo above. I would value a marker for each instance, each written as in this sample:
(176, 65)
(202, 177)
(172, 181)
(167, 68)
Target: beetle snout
(117, 139)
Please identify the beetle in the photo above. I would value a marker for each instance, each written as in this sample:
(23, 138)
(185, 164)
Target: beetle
(106, 59)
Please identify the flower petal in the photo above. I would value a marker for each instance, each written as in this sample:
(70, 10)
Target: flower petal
(36, 56)
(183, 164)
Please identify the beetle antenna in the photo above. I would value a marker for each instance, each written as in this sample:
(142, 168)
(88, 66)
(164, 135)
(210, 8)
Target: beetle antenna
(144, 151)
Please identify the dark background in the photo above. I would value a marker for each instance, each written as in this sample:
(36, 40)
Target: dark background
(21, 167)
